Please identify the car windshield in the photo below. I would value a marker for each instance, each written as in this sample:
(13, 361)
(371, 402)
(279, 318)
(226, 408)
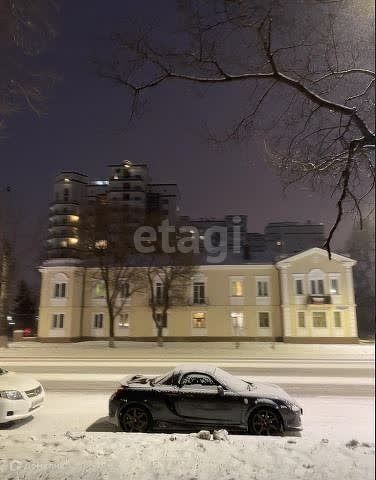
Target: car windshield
(162, 379)
(227, 380)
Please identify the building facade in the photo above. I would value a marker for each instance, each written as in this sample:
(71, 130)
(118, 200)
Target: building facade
(303, 298)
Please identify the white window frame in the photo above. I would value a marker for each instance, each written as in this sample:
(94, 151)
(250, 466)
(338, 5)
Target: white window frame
(259, 320)
(314, 277)
(338, 312)
(298, 327)
(95, 315)
(60, 317)
(263, 299)
(262, 288)
(337, 278)
(202, 300)
(59, 279)
(326, 320)
(60, 290)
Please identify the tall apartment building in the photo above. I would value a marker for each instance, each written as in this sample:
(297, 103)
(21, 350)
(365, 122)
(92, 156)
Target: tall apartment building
(235, 227)
(283, 238)
(293, 237)
(127, 184)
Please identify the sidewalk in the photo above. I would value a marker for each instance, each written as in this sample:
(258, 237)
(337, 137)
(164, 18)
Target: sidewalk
(181, 351)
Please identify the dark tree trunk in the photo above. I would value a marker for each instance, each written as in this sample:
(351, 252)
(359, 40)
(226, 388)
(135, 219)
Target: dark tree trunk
(5, 259)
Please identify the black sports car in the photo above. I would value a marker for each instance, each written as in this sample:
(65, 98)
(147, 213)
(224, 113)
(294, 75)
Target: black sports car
(202, 396)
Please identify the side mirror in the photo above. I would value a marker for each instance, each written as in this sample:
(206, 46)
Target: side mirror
(220, 390)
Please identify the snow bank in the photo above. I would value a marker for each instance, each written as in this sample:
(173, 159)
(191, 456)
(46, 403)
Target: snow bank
(94, 456)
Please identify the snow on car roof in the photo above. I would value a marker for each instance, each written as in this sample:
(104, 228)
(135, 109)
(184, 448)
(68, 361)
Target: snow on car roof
(196, 367)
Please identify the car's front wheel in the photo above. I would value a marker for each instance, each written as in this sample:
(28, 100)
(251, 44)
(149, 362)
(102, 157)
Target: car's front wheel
(135, 419)
(265, 421)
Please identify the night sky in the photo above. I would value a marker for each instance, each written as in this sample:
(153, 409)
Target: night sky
(84, 130)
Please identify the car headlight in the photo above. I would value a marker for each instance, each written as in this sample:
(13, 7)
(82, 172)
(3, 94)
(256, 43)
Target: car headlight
(11, 395)
(292, 406)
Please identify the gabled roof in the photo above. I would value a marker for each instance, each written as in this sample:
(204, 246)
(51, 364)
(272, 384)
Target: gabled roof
(316, 251)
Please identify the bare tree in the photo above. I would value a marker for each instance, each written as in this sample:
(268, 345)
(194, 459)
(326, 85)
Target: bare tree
(300, 74)
(169, 269)
(25, 29)
(361, 247)
(5, 274)
(105, 237)
(168, 287)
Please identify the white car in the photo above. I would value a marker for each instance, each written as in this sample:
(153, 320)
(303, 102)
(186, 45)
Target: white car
(20, 396)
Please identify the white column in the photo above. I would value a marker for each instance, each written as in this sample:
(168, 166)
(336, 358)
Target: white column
(286, 319)
(351, 302)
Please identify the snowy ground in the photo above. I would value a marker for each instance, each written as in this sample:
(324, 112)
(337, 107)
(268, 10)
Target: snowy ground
(79, 379)
(335, 418)
(116, 456)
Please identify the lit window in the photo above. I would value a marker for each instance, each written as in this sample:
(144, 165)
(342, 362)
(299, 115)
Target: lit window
(301, 320)
(98, 320)
(73, 241)
(334, 286)
(60, 290)
(199, 320)
(237, 288)
(99, 290)
(278, 243)
(64, 243)
(124, 320)
(101, 244)
(337, 320)
(66, 180)
(319, 319)
(237, 319)
(299, 287)
(262, 288)
(74, 218)
(57, 320)
(264, 319)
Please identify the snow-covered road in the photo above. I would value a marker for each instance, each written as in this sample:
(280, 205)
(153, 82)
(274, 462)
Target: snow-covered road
(339, 418)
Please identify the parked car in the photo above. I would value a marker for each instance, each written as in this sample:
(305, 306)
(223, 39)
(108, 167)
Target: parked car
(20, 396)
(202, 396)
(27, 332)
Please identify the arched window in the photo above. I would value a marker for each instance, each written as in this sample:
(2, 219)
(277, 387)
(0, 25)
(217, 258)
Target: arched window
(60, 286)
(316, 280)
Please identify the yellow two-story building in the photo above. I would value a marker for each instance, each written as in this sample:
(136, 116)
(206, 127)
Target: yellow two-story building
(303, 298)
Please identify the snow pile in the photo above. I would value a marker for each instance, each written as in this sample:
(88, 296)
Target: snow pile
(100, 456)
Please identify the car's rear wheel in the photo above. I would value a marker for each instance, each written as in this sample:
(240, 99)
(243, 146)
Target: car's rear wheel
(135, 419)
(265, 421)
